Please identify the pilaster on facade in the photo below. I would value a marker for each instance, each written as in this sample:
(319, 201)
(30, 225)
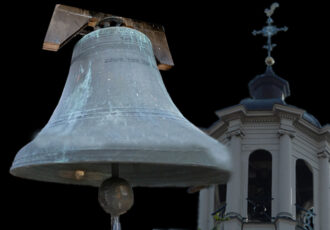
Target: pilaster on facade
(286, 189)
(324, 189)
(234, 185)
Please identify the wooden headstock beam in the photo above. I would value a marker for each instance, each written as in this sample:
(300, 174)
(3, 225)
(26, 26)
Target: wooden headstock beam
(68, 22)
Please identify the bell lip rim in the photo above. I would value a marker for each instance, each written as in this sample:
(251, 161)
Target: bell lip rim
(92, 156)
(12, 168)
(224, 174)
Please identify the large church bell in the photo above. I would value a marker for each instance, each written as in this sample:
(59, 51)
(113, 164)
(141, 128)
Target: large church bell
(116, 127)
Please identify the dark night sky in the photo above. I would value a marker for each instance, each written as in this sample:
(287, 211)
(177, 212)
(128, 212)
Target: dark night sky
(215, 57)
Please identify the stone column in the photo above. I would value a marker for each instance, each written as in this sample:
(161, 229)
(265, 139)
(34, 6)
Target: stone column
(286, 187)
(206, 208)
(234, 185)
(324, 186)
(316, 199)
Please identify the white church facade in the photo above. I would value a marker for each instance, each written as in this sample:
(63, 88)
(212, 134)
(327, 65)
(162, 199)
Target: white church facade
(281, 160)
(271, 149)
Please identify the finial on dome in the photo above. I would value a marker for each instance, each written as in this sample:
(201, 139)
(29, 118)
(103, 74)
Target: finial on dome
(268, 31)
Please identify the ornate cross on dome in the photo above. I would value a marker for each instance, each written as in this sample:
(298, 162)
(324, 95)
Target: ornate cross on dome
(268, 31)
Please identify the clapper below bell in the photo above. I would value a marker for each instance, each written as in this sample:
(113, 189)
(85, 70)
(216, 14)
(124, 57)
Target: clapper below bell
(115, 110)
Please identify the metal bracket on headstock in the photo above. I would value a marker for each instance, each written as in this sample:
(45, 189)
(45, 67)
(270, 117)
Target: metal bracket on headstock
(67, 22)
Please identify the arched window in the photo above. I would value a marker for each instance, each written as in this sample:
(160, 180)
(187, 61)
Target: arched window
(260, 186)
(304, 195)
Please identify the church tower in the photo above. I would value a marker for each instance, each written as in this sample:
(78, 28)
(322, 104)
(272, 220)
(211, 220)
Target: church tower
(281, 177)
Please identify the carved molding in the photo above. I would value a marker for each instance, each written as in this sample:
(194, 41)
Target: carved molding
(237, 132)
(309, 131)
(288, 116)
(258, 120)
(231, 113)
(288, 112)
(290, 133)
(327, 137)
(218, 129)
(324, 154)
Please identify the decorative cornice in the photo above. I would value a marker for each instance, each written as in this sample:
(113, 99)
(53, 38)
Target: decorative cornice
(289, 118)
(231, 113)
(288, 112)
